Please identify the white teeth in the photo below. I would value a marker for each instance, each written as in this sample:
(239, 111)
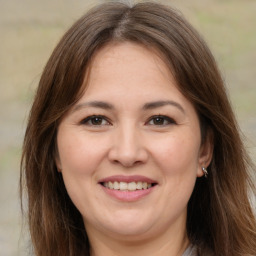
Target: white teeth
(144, 185)
(116, 185)
(131, 186)
(110, 185)
(139, 185)
(123, 186)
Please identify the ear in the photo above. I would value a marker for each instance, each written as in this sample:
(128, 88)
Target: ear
(58, 164)
(205, 153)
(57, 160)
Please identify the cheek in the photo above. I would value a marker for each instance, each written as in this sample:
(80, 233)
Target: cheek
(80, 157)
(79, 154)
(177, 160)
(177, 154)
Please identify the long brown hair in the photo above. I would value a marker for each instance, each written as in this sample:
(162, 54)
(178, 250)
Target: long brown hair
(220, 217)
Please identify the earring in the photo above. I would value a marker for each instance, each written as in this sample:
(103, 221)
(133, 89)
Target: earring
(205, 172)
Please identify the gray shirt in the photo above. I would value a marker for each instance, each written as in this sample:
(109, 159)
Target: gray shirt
(191, 251)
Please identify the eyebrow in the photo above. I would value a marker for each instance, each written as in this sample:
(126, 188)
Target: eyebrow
(157, 104)
(95, 104)
(147, 106)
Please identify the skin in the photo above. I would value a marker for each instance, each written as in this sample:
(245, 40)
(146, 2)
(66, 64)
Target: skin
(130, 140)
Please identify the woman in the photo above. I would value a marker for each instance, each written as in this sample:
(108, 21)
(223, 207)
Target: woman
(132, 146)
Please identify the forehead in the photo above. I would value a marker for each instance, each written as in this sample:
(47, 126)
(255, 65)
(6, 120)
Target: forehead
(129, 76)
(128, 64)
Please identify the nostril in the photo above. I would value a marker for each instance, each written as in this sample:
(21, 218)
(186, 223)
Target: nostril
(127, 162)
(128, 152)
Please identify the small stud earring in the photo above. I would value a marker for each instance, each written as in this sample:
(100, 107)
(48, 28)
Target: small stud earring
(205, 172)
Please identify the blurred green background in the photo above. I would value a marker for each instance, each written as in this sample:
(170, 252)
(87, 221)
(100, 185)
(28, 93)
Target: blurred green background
(29, 30)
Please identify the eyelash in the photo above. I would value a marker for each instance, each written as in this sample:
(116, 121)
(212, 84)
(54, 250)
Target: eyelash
(161, 119)
(90, 119)
(164, 120)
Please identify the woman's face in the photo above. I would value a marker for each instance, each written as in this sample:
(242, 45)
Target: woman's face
(130, 150)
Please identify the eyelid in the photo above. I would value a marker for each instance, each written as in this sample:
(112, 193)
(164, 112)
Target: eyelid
(85, 121)
(88, 119)
(170, 120)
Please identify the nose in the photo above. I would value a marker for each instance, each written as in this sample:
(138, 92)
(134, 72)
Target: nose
(128, 148)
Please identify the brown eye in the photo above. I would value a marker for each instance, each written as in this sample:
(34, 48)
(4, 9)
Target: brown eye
(95, 121)
(161, 120)
(158, 121)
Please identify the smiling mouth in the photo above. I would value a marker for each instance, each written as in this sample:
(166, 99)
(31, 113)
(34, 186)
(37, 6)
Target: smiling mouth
(127, 186)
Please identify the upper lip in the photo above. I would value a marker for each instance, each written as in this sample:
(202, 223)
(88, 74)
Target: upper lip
(123, 178)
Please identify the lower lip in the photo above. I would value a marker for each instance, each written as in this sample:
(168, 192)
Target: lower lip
(128, 196)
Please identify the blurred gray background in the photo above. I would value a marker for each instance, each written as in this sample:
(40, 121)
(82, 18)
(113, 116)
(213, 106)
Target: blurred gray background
(29, 30)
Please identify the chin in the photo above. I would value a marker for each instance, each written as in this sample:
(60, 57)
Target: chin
(126, 224)
(131, 233)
